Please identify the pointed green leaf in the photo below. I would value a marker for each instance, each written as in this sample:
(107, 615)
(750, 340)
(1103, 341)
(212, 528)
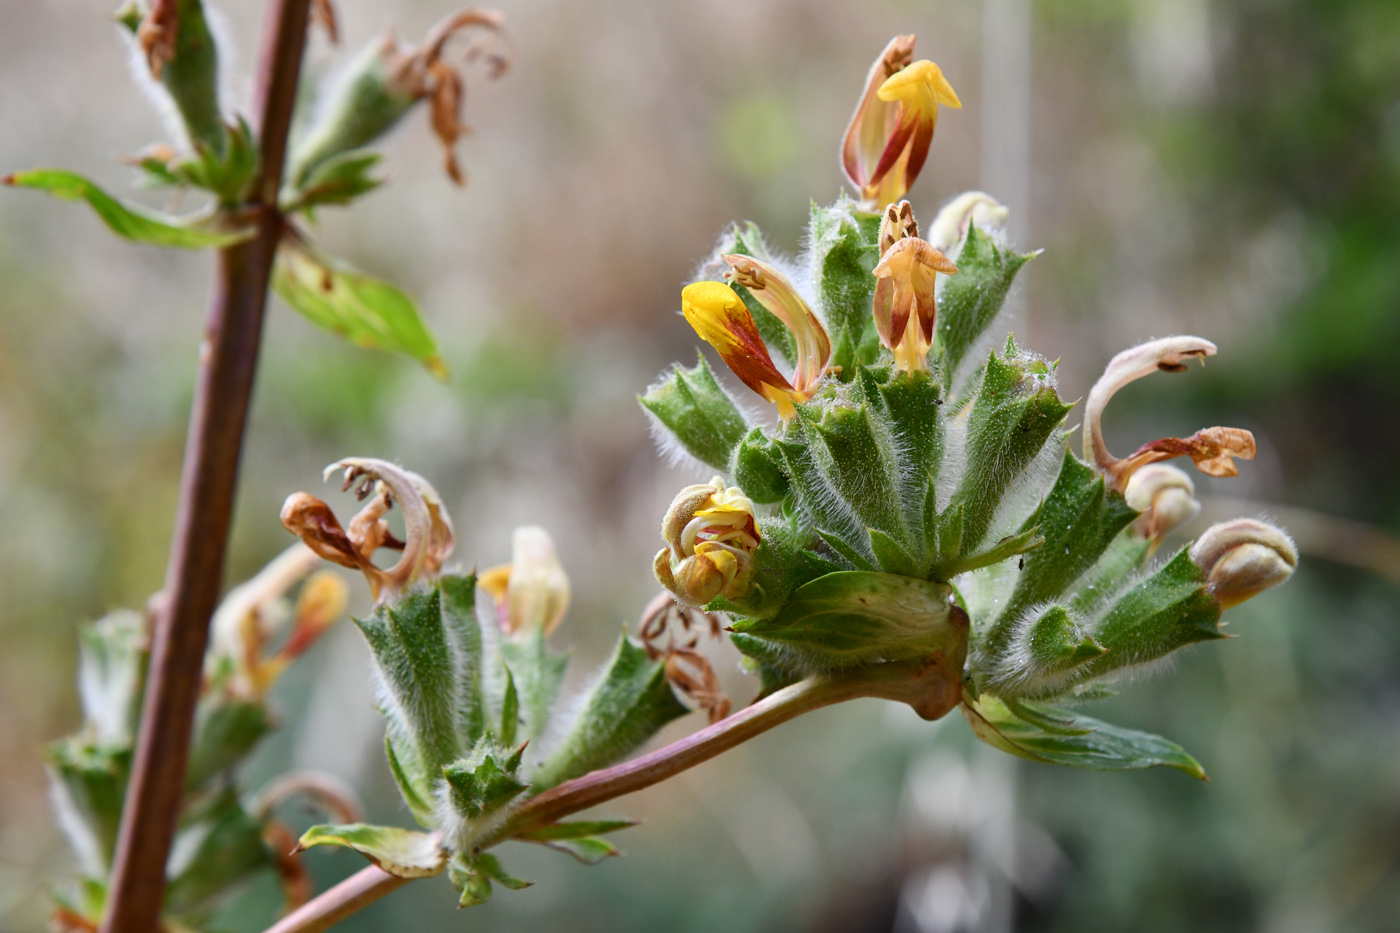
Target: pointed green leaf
(970, 300)
(629, 704)
(847, 551)
(218, 845)
(575, 829)
(757, 467)
(490, 866)
(853, 617)
(400, 852)
(87, 784)
(129, 221)
(913, 407)
(892, 556)
(1040, 657)
(366, 311)
(415, 791)
(693, 407)
(1010, 546)
(590, 850)
(1103, 747)
(481, 784)
(112, 657)
(341, 179)
(472, 883)
(537, 674)
(857, 461)
(510, 711)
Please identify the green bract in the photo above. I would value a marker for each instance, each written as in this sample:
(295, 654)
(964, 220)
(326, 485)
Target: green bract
(901, 499)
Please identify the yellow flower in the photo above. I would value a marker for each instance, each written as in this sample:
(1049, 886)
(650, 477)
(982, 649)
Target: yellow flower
(904, 306)
(711, 534)
(773, 290)
(722, 320)
(889, 134)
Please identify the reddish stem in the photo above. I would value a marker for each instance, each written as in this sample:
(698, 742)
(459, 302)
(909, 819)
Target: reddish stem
(227, 361)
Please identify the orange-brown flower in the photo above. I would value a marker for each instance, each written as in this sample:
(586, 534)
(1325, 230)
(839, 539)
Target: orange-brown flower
(722, 320)
(773, 290)
(888, 137)
(904, 306)
(711, 534)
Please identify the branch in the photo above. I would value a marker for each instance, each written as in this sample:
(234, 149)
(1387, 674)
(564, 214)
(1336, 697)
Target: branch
(228, 359)
(932, 687)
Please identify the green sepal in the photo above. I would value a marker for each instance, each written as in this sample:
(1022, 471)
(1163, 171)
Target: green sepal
(1040, 658)
(225, 731)
(510, 710)
(628, 704)
(411, 789)
(844, 244)
(400, 852)
(536, 674)
(126, 220)
(1078, 519)
(1168, 610)
(1078, 741)
(782, 563)
(192, 77)
(701, 416)
(847, 551)
(341, 179)
(113, 653)
(367, 103)
(1014, 415)
(970, 300)
(472, 884)
(483, 783)
(892, 556)
(88, 786)
(913, 411)
(757, 467)
(427, 651)
(367, 311)
(853, 617)
(217, 846)
(226, 171)
(849, 447)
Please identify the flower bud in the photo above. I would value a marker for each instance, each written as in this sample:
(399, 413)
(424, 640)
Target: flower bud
(950, 227)
(711, 534)
(532, 591)
(904, 306)
(1242, 558)
(722, 320)
(1165, 496)
(180, 50)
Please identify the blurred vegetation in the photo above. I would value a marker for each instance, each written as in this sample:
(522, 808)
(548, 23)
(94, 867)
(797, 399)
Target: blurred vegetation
(1231, 169)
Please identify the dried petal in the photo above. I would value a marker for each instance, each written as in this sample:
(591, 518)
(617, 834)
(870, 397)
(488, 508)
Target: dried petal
(157, 33)
(1212, 449)
(1165, 496)
(773, 290)
(1244, 557)
(874, 118)
(711, 535)
(722, 320)
(313, 521)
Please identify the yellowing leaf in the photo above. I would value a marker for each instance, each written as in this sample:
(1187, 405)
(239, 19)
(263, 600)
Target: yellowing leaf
(400, 852)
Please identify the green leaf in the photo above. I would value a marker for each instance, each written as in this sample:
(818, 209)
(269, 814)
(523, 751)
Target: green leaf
(1014, 415)
(226, 170)
(341, 179)
(1010, 546)
(850, 449)
(971, 299)
(87, 784)
(628, 704)
(490, 866)
(400, 852)
(698, 412)
(134, 223)
(471, 883)
(1079, 741)
(225, 731)
(112, 657)
(853, 617)
(590, 850)
(483, 783)
(510, 711)
(892, 556)
(1042, 657)
(575, 829)
(218, 845)
(912, 406)
(192, 75)
(844, 250)
(368, 312)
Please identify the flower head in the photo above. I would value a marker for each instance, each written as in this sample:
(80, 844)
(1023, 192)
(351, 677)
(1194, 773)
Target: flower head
(950, 227)
(722, 320)
(532, 591)
(888, 137)
(904, 306)
(1212, 449)
(711, 534)
(1242, 558)
(1165, 496)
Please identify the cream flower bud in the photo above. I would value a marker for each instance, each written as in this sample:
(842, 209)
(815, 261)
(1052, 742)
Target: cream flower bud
(531, 592)
(1164, 495)
(1242, 558)
(972, 207)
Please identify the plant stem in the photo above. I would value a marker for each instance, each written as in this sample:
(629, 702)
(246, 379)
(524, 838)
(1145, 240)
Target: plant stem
(329, 908)
(227, 362)
(932, 687)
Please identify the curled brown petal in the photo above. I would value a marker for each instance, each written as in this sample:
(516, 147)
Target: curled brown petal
(1212, 450)
(687, 669)
(323, 15)
(292, 875)
(313, 521)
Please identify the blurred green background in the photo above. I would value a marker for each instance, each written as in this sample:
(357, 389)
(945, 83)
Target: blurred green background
(1227, 169)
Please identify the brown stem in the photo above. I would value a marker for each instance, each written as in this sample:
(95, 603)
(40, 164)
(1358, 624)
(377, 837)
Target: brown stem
(227, 361)
(326, 910)
(931, 687)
